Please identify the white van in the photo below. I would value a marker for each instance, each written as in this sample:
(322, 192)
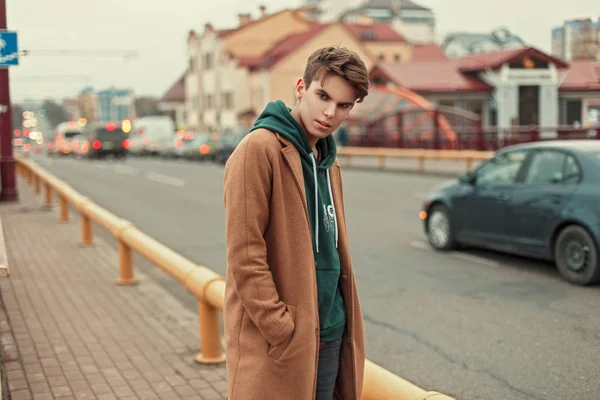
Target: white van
(149, 132)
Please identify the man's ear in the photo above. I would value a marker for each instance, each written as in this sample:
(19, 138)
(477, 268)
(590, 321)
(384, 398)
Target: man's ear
(300, 88)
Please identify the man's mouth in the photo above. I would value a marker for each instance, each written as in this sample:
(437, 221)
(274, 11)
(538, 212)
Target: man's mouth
(323, 124)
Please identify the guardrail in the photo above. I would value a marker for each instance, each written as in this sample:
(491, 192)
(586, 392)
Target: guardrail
(205, 284)
(382, 153)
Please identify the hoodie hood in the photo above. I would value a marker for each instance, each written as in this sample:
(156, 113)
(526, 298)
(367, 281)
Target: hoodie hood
(277, 117)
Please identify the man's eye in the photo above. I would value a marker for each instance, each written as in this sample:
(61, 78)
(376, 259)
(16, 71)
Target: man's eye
(323, 96)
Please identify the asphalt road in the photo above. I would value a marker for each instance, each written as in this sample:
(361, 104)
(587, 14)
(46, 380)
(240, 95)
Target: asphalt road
(473, 325)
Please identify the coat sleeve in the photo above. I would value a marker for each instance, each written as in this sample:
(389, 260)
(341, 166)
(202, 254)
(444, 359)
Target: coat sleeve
(247, 192)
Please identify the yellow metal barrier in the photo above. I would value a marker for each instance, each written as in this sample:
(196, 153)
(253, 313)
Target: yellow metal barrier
(205, 284)
(382, 153)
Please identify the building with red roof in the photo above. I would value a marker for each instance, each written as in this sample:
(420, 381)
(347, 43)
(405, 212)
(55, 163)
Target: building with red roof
(233, 73)
(173, 101)
(506, 88)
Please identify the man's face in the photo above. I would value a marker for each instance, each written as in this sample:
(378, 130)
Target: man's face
(323, 107)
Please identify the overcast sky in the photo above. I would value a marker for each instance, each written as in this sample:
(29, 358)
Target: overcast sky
(157, 31)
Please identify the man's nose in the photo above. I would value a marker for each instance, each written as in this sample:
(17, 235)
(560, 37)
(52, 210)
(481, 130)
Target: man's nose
(330, 111)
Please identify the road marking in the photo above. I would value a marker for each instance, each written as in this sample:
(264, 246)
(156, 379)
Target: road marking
(417, 244)
(122, 169)
(420, 245)
(476, 259)
(168, 180)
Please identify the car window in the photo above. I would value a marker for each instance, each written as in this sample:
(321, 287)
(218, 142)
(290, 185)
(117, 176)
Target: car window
(547, 166)
(502, 169)
(104, 134)
(551, 166)
(572, 172)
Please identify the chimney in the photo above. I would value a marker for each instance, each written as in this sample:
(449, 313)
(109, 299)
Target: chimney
(263, 11)
(244, 18)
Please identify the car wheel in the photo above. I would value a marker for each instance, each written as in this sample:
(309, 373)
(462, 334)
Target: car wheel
(439, 228)
(576, 256)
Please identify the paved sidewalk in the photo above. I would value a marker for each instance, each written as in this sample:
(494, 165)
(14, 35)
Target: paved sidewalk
(69, 332)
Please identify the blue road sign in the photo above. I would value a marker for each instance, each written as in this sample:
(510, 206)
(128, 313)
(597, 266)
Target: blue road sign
(9, 50)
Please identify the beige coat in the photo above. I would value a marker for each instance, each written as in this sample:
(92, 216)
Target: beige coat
(271, 311)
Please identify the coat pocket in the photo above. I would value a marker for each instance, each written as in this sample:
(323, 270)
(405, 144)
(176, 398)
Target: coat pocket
(275, 352)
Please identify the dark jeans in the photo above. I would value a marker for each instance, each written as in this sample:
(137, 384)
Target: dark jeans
(329, 362)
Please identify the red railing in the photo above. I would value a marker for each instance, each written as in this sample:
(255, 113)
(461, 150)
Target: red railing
(452, 128)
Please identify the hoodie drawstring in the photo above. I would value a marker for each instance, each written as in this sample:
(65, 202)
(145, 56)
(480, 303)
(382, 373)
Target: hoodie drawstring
(314, 163)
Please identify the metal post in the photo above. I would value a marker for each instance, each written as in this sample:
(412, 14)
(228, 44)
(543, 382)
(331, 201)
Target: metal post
(64, 209)
(48, 194)
(480, 139)
(87, 233)
(126, 277)
(436, 129)
(7, 162)
(400, 128)
(210, 334)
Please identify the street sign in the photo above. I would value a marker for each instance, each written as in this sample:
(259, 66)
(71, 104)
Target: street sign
(9, 49)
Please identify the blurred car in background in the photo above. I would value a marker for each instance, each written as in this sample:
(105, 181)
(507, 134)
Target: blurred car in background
(106, 139)
(148, 134)
(60, 144)
(202, 147)
(227, 145)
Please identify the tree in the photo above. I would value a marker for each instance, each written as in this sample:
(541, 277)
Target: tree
(55, 113)
(145, 106)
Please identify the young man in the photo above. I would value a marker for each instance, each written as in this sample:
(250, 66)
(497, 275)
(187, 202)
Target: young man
(293, 323)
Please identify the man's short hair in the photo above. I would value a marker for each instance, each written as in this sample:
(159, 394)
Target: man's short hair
(338, 61)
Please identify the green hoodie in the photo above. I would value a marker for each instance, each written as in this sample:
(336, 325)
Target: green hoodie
(321, 210)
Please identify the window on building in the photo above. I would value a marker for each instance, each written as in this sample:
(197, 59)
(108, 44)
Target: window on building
(397, 58)
(573, 112)
(209, 102)
(227, 100)
(368, 35)
(381, 57)
(208, 61)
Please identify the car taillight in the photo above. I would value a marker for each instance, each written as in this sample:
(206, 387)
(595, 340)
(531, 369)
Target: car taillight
(204, 149)
(96, 144)
(178, 144)
(126, 143)
(27, 147)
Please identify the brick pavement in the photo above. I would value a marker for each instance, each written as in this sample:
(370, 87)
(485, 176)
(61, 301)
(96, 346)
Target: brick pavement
(68, 332)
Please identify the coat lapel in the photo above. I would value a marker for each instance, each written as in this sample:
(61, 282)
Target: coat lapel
(292, 159)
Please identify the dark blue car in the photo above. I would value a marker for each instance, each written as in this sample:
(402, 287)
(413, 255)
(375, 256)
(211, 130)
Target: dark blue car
(540, 200)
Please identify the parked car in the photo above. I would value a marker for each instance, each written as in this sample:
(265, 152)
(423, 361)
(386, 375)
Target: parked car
(537, 199)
